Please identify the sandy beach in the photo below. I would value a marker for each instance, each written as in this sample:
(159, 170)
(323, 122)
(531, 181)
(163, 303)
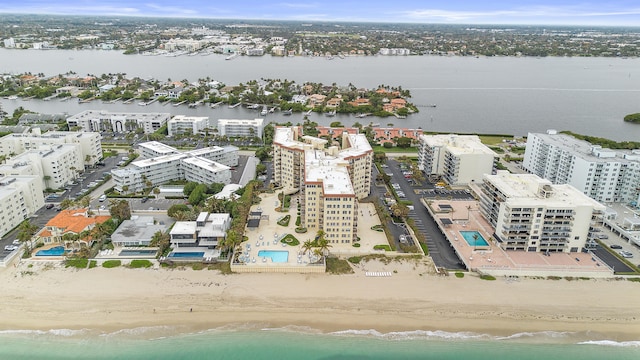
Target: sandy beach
(45, 297)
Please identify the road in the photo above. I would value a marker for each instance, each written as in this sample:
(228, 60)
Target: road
(439, 248)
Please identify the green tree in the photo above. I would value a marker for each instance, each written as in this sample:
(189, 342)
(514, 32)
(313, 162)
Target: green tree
(263, 153)
(177, 208)
(307, 246)
(403, 142)
(26, 230)
(120, 209)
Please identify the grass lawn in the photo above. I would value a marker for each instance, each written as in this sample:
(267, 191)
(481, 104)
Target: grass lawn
(338, 266)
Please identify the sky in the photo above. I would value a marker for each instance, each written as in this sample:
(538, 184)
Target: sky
(509, 12)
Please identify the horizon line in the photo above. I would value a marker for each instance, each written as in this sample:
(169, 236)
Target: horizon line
(158, 16)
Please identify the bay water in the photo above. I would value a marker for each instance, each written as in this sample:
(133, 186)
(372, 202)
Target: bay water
(506, 95)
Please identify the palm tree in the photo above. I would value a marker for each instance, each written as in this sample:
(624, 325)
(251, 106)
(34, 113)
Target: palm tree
(26, 230)
(323, 245)
(400, 210)
(307, 246)
(162, 240)
(475, 241)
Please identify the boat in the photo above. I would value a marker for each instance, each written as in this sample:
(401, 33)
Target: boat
(432, 105)
(12, 97)
(330, 113)
(287, 112)
(142, 103)
(254, 106)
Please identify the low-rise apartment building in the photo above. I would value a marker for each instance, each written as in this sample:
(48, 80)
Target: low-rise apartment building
(531, 214)
(88, 144)
(181, 124)
(206, 165)
(20, 197)
(56, 166)
(100, 120)
(240, 128)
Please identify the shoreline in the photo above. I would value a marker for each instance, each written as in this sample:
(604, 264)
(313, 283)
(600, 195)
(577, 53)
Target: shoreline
(108, 300)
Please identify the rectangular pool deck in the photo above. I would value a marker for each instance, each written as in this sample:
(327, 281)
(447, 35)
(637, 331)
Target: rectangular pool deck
(268, 234)
(465, 216)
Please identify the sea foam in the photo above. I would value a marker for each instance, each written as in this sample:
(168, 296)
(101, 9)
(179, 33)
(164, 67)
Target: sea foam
(611, 343)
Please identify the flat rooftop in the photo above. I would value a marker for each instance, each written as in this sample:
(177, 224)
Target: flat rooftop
(526, 187)
(331, 171)
(586, 150)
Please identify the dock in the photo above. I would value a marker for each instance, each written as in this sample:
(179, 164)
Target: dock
(180, 103)
(216, 104)
(50, 97)
(234, 105)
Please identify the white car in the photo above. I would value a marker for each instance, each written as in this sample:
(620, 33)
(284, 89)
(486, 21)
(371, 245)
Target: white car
(626, 254)
(16, 242)
(10, 247)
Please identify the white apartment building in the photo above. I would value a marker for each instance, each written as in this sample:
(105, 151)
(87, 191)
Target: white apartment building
(330, 181)
(531, 214)
(100, 120)
(181, 124)
(56, 166)
(151, 149)
(457, 159)
(605, 175)
(205, 171)
(88, 144)
(241, 128)
(227, 155)
(206, 165)
(20, 197)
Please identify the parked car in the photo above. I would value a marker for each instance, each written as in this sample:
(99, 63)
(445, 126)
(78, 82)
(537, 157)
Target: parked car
(614, 246)
(49, 206)
(144, 199)
(10, 247)
(626, 254)
(16, 242)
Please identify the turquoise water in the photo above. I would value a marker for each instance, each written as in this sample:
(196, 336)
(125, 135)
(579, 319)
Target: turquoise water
(187, 254)
(468, 237)
(54, 251)
(297, 343)
(138, 252)
(277, 256)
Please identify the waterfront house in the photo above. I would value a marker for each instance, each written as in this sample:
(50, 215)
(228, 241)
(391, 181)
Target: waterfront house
(78, 222)
(207, 231)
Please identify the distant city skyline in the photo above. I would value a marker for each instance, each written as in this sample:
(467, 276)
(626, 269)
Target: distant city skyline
(527, 12)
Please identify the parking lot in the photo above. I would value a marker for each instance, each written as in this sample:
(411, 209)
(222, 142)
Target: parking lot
(407, 189)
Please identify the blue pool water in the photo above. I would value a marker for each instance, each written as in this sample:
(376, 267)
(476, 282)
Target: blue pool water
(187, 254)
(54, 251)
(468, 237)
(138, 252)
(275, 255)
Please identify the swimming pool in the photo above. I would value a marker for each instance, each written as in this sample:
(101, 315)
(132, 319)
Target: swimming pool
(277, 256)
(142, 252)
(187, 254)
(468, 237)
(54, 251)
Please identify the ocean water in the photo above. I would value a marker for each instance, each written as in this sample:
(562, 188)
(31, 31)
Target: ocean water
(248, 342)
